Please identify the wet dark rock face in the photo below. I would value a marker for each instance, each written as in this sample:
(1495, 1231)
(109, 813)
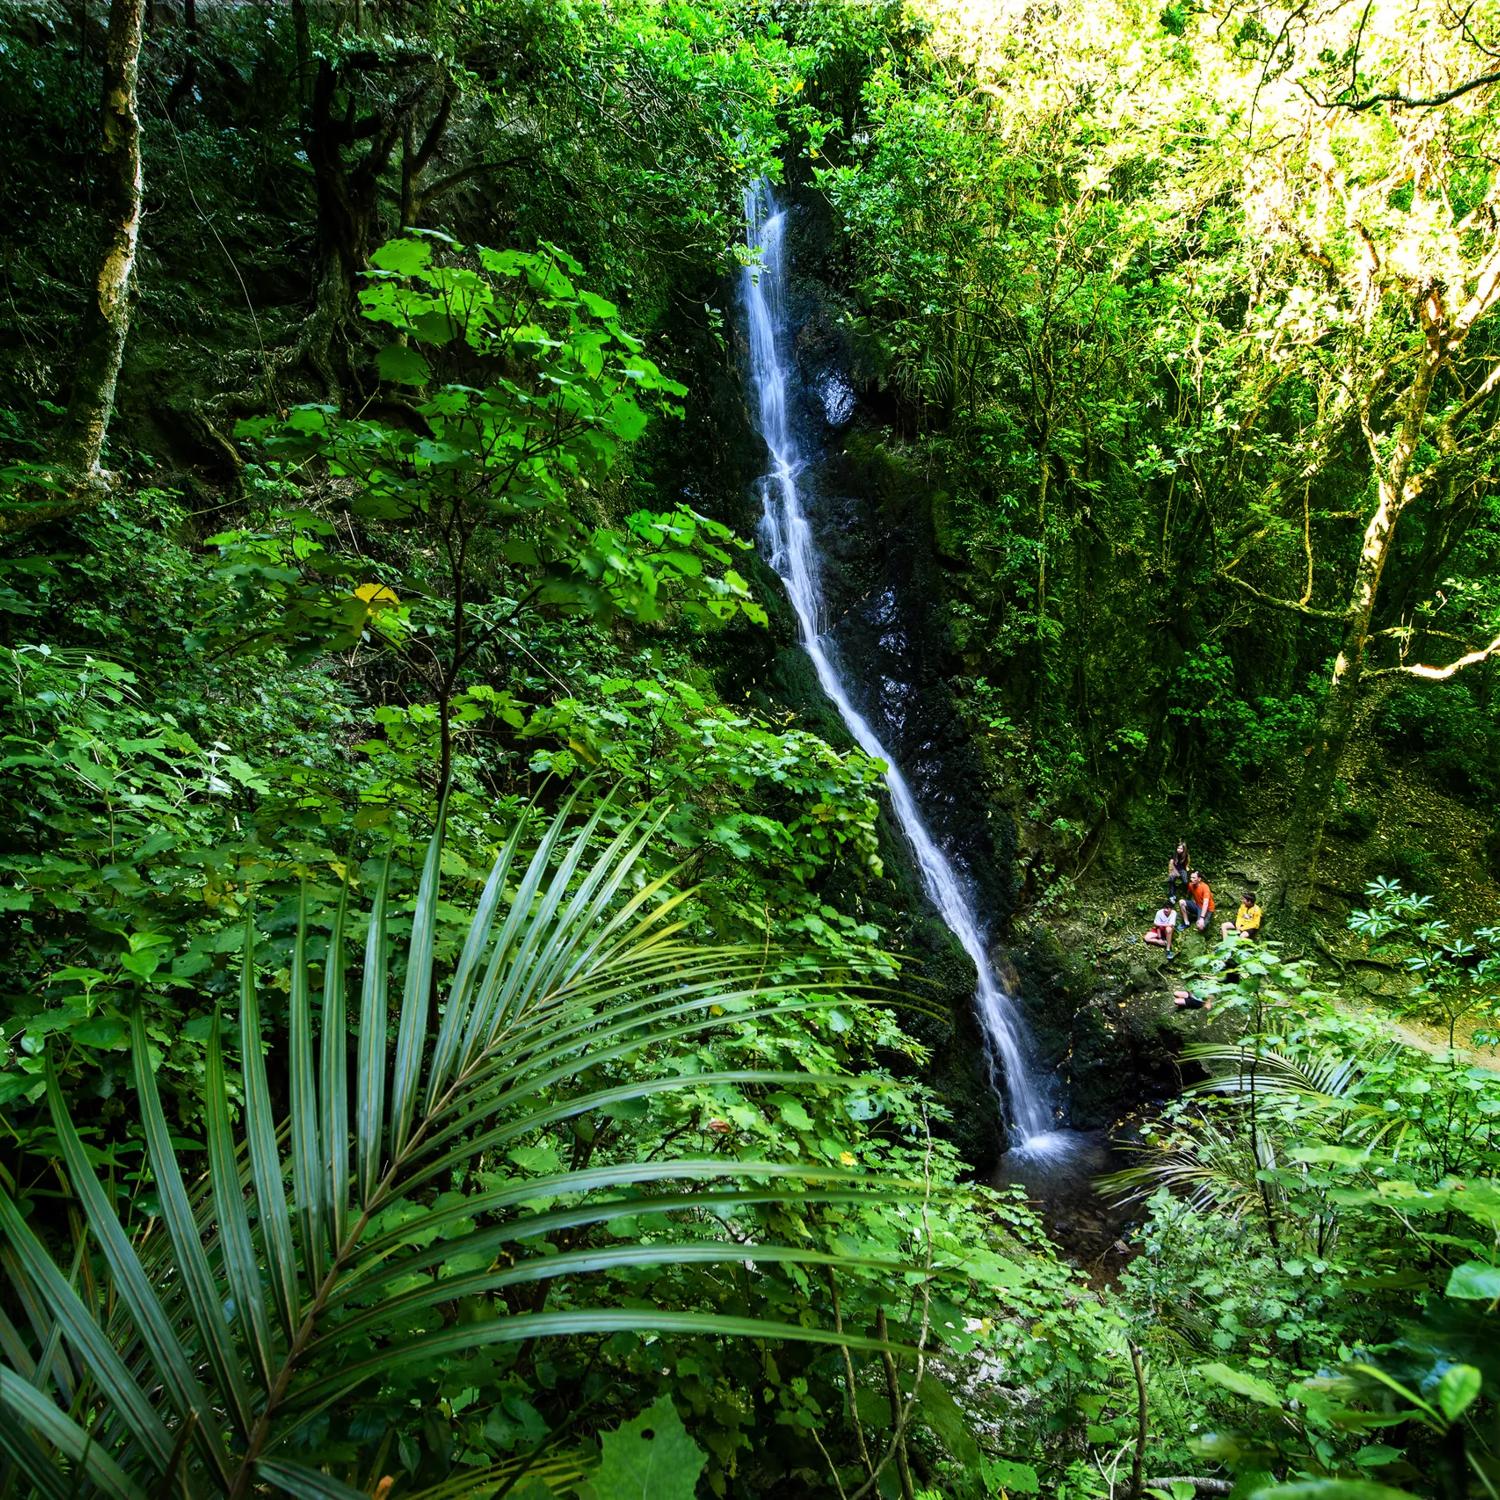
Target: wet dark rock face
(872, 516)
(1113, 1045)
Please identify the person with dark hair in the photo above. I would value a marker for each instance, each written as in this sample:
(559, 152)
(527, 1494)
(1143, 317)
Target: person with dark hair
(1247, 919)
(1177, 873)
(1162, 928)
(1198, 905)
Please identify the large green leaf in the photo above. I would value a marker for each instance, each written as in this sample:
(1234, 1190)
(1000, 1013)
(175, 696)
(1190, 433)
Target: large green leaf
(83, 1332)
(205, 1295)
(304, 1483)
(132, 1282)
(1458, 1390)
(30, 1407)
(265, 1157)
(650, 1458)
(1474, 1281)
(241, 1263)
(1241, 1383)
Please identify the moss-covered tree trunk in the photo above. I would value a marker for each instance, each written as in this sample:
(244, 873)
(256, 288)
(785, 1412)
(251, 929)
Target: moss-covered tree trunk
(1395, 488)
(1304, 838)
(107, 322)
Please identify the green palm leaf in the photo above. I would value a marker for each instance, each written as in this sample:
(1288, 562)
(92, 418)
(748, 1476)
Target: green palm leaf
(1210, 1168)
(292, 1280)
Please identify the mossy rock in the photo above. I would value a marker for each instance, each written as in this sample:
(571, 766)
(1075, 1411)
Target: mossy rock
(1113, 1037)
(1354, 824)
(947, 530)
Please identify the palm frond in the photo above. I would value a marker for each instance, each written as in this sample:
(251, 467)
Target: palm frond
(314, 1260)
(1210, 1168)
(1317, 1075)
(1324, 1088)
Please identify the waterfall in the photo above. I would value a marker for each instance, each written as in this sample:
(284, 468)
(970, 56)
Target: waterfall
(793, 554)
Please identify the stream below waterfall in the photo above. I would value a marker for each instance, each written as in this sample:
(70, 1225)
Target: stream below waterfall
(791, 549)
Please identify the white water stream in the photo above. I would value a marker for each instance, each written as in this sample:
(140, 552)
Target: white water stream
(793, 554)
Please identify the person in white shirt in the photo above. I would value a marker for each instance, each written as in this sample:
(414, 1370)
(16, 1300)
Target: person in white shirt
(1161, 932)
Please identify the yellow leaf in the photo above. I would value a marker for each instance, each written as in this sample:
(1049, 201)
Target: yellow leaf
(847, 1157)
(376, 596)
(582, 751)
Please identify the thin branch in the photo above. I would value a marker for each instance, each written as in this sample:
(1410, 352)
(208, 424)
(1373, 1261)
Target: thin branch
(464, 174)
(1307, 588)
(851, 1384)
(1459, 412)
(1137, 1487)
(1406, 632)
(1486, 288)
(893, 1392)
(904, 1412)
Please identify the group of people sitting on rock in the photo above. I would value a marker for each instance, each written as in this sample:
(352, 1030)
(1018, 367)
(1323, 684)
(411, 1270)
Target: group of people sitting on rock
(1190, 898)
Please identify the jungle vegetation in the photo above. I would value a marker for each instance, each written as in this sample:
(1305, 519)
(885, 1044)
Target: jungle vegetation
(464, 1027)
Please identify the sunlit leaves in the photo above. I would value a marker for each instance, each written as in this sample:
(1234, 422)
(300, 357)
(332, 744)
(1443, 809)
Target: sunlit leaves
(526, 393)
(566, 994)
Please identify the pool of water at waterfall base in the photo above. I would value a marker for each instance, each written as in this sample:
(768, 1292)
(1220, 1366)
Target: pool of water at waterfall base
(1058, 1171)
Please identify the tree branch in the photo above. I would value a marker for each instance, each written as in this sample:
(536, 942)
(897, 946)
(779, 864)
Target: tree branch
(433, 139)
(1137, 1467)
(1441, 674)
(1408, 631)
(1459, 412)
(1447, 97)
(1486, 288)
(463, 174)
(1287, 604)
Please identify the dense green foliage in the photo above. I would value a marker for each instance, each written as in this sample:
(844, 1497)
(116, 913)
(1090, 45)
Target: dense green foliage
(1322, 1179)
(467, 1028)
(1115, 280)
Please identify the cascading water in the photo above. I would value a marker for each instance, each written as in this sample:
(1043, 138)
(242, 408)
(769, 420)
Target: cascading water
(793, 554)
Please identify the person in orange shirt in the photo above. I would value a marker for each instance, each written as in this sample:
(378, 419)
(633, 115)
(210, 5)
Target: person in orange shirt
(1198, 904)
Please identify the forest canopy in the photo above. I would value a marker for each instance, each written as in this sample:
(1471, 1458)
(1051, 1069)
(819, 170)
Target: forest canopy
(610, 612)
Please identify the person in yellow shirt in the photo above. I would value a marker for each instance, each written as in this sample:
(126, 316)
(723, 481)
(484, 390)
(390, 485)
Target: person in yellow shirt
(1247, 919)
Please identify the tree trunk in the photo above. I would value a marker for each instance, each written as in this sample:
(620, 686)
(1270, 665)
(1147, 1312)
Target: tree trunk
(107, 321)
(1043, 489)
(348, 193)
(1304, 840)
(1044, 461)
(187, 82)
(302, 45)
(1336, 718)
